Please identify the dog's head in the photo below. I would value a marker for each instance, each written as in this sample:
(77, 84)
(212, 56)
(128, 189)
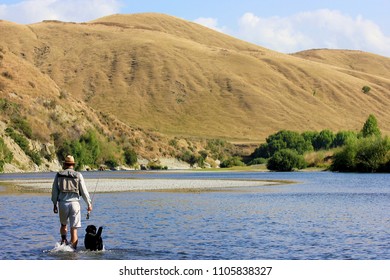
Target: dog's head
(91, 229)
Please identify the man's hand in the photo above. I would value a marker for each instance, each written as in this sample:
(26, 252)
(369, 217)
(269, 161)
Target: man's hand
(55, 209)
(89, 209)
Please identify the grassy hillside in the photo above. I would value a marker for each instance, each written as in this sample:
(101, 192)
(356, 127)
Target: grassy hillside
(350, 61)
(179, 78)
(152, 72)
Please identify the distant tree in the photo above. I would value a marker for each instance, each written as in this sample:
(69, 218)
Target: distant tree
(342, 137)
(370, 127)
(130, 156)
(324, 140)
(89, 148)
(286, 160)
(111, 163)
(86, 150)
(261, 152)
(283, 139)
(366, 89)
(310, 135)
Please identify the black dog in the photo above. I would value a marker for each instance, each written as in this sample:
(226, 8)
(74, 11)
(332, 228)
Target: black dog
(93, 241)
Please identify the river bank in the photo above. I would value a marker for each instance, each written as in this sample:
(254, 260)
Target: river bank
(101, 185)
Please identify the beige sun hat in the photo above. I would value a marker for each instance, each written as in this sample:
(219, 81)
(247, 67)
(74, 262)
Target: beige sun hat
(69, 160)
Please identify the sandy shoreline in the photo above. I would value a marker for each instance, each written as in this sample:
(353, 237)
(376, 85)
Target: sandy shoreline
(124, 185)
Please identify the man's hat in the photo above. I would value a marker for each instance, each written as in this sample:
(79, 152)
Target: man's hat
(69, 160)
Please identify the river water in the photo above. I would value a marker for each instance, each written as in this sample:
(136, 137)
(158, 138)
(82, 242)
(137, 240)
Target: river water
(324, 215)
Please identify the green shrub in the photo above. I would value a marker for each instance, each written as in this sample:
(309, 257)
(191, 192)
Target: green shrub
(35, 157)
(366, 89)
(156, 166)
(363, 155)
(111, 163)
(219, 149)
(371, 154)
(192, 159)
(323, 140)
(258, 161)
(200, 161)
(50, 104)
(63, 94)
(230, 162)
(7, 75)
(22, 125)
(173, 143)
(6, 155)
(188, 157)
(24, 145)
(204, 154)
(130, 156)
(344, 160)
(9, 108)
(18, 138)
(286, 160)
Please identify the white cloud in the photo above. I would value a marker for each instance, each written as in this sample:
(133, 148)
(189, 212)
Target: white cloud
(315, 29)
(211, 23)
(30, 11)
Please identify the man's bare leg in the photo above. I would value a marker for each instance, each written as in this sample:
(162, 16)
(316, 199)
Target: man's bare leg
(63, 232)
(73, 237)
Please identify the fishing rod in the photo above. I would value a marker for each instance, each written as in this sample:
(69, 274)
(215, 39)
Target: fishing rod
(93, 196)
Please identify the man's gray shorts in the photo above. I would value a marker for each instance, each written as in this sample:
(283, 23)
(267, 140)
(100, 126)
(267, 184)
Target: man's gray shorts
(71, 211)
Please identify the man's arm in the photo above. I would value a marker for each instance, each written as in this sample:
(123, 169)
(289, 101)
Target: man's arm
(54, 194)
(84, 193)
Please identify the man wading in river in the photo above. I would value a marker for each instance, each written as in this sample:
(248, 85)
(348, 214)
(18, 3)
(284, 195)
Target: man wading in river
(67, 188)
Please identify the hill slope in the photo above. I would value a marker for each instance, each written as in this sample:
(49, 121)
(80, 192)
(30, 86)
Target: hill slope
(179, 78)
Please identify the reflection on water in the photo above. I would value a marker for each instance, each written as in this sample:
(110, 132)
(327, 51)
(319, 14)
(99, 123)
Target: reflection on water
(326, 216)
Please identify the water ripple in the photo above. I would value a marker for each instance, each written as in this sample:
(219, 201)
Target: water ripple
(327, 216)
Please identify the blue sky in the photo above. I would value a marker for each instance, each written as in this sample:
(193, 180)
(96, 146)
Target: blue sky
(281, 25)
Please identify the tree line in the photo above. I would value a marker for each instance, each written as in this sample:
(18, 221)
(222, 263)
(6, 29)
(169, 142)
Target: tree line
(363, 151)
(350, 151)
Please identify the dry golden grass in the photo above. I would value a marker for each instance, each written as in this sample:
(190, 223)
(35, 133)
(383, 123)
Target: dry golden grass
(178, 78)
(319, 159)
